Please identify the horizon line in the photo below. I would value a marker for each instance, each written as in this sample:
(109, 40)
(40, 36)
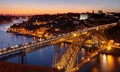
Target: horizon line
(52, 13)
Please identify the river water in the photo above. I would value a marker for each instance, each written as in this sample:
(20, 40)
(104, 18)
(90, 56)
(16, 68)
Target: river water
(44, 56)
(103, 63)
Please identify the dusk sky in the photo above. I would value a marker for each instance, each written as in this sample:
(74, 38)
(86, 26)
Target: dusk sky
(30, 7)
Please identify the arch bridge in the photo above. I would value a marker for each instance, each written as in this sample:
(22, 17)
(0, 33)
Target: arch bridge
(88, 41)
(91, 43)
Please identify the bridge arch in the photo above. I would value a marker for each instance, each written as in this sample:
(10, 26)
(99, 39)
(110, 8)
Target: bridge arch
(95, 38)
(68, 60)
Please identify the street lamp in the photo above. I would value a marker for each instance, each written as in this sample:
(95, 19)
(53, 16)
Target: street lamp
(74, 34)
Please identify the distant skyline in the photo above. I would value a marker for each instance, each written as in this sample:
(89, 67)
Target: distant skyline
(31, 7)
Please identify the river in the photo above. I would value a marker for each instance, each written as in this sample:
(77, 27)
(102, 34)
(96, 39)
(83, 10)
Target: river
(103, 63)
(44, 56)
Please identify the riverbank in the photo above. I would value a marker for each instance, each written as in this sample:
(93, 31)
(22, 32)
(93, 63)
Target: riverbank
(12, 67)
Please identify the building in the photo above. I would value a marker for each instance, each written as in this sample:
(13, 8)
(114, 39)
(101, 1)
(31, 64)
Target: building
(83, 16)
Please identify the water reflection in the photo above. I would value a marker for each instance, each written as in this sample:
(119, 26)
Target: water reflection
(40, 57)
(106, 63)
(9, 39)
(22, 59)
(103, 62)
(111, 63)
(118, 59)
(95, 69)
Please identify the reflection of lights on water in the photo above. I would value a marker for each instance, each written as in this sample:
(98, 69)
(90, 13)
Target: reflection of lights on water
(104, 59)
(103, 62)
(107, 62)
(94, 69)
(110, 61)
(41, 52)
(118, 59)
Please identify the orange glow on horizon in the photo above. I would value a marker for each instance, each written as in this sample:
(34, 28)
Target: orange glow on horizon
(32, 7)
(33, 11)
(43, 10)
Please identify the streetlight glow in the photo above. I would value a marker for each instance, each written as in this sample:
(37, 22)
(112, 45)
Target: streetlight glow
(74, 35)
(109, 48)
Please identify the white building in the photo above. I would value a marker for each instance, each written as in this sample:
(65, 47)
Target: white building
(83, 16)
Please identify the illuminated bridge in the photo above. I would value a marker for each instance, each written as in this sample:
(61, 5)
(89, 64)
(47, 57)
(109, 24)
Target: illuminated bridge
(89, 40)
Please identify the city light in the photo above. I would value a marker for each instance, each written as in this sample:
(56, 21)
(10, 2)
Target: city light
(67, 35)
(110, 44)
(74, 34)
(109, 48)
(97, 28)
(103, 42)
(85, 32)
(58, 67)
